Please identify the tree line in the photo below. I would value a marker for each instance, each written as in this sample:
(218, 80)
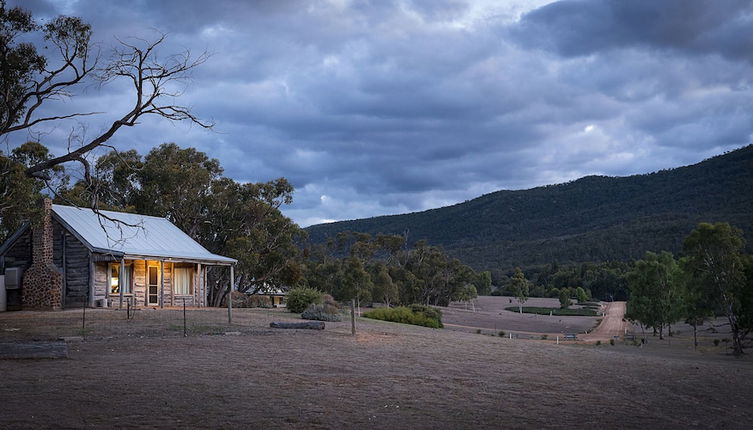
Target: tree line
(603, 281)
(244, 221)
(383, 268)
(713, 278)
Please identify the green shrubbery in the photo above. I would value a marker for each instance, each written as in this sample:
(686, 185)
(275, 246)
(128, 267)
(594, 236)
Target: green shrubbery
(415, 314)
(329, 310)
(300, 298)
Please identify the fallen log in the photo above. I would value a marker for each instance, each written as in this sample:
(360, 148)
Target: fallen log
(311, 325)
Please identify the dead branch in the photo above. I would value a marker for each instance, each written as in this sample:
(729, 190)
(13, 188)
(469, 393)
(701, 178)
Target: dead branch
(151, 78)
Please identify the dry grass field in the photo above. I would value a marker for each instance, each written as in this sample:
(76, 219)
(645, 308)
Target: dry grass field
(489, 315)
(144, 373)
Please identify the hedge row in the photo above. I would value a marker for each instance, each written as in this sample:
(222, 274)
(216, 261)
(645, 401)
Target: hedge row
(415, 314)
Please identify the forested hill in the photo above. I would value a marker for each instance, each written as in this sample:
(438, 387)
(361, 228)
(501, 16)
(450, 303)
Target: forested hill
(595, 218)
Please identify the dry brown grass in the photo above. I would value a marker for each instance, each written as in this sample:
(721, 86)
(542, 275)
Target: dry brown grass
(389, 376)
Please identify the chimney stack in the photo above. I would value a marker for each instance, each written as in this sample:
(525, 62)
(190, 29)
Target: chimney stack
(43, 282)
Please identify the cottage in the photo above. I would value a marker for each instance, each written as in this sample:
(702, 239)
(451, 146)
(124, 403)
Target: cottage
(79, 257)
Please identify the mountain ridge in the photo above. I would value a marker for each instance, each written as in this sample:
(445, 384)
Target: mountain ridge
(593, 218)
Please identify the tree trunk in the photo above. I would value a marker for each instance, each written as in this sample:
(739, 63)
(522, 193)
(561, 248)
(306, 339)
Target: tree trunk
(695, 333)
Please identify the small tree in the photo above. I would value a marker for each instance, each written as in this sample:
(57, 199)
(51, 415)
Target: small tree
(580, 293)
(519, 286)
(565, 298)
(300, 298)
(384, 288)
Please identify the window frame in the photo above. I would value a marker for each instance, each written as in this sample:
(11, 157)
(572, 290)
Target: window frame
(190, 287)
(112, 268)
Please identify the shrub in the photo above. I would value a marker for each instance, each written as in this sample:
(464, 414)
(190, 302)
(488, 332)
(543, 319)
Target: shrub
(501, 333)
(243, 300)
(299, 298)
(716, 342)
(598, 342)
(478, 331)
(406, 315)
(321, 312)
(544, 337)
(611, 342)
(432, 313)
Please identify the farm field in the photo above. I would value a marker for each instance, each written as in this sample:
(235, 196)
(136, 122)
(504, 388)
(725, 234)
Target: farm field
(388, 376)
(490, 316)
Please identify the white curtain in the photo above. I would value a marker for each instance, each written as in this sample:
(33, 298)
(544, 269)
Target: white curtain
(182, 281)
(125, 282)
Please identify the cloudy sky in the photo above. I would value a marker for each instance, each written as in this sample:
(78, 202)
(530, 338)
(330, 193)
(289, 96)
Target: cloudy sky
(382, 107)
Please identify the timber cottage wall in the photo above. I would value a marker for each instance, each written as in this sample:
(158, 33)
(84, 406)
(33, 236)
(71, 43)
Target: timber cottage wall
(71, 257)
(75, 271)
(102, 283)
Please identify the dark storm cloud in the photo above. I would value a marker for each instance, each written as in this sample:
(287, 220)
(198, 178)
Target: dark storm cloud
(582, 27)
(373, 107)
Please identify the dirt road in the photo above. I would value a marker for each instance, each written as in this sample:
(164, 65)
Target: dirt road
(611, 325)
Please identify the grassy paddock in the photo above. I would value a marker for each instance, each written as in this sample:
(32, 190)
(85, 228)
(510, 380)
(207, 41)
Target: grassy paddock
(585, 312)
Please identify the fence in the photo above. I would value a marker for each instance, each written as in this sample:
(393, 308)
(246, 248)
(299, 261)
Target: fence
(134, 321)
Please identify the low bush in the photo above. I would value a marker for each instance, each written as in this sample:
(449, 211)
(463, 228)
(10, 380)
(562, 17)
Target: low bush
(321, 312)
(611, 342)
(716, 342)
(598, 342)
(404, 315)
(300, 298)
(432, 313)
(501, 333)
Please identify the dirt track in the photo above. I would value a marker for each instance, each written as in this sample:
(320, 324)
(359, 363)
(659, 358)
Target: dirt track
(612, 325)
(389, 376)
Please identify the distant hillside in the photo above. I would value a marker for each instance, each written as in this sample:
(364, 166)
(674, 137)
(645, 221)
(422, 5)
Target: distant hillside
(595, 218)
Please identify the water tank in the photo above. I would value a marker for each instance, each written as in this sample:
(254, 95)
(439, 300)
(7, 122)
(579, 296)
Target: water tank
(13, 277)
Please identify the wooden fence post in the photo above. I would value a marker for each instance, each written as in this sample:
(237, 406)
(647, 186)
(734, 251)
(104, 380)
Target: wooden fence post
(353, 316)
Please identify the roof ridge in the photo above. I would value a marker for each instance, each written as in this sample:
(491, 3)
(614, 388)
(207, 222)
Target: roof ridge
(111, 212)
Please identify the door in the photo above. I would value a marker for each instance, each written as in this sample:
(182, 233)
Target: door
(152, 287)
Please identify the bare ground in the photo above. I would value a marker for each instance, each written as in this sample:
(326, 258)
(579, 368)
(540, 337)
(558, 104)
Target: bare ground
(388, 376)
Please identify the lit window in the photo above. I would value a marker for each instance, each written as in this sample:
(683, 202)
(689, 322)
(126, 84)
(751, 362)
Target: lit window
(115, 279)
(182, 281)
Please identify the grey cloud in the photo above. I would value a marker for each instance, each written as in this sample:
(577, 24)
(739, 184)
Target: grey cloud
(583, 27)
(383, 107)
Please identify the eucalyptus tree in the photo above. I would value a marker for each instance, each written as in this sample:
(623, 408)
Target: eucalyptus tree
(656, 292)
(519, 286)
(716, 261)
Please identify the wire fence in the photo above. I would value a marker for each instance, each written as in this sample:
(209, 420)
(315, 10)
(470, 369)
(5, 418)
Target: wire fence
(135, 321)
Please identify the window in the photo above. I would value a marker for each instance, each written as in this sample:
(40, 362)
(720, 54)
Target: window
(116, 281)
(182, 285)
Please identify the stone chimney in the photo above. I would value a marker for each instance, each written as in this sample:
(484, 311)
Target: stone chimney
(43, 282)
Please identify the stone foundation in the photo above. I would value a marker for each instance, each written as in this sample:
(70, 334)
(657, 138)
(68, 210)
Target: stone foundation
(43, 282)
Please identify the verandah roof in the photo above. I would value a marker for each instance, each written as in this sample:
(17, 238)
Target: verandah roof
(143, 237)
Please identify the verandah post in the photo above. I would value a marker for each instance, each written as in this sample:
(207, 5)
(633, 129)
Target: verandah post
(230, 295)
(120, 281)
(161, 284)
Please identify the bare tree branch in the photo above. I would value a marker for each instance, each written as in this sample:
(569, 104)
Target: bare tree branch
(150, 77)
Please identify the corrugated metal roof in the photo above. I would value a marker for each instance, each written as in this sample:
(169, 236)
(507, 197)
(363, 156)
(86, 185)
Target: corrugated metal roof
(146, 236)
